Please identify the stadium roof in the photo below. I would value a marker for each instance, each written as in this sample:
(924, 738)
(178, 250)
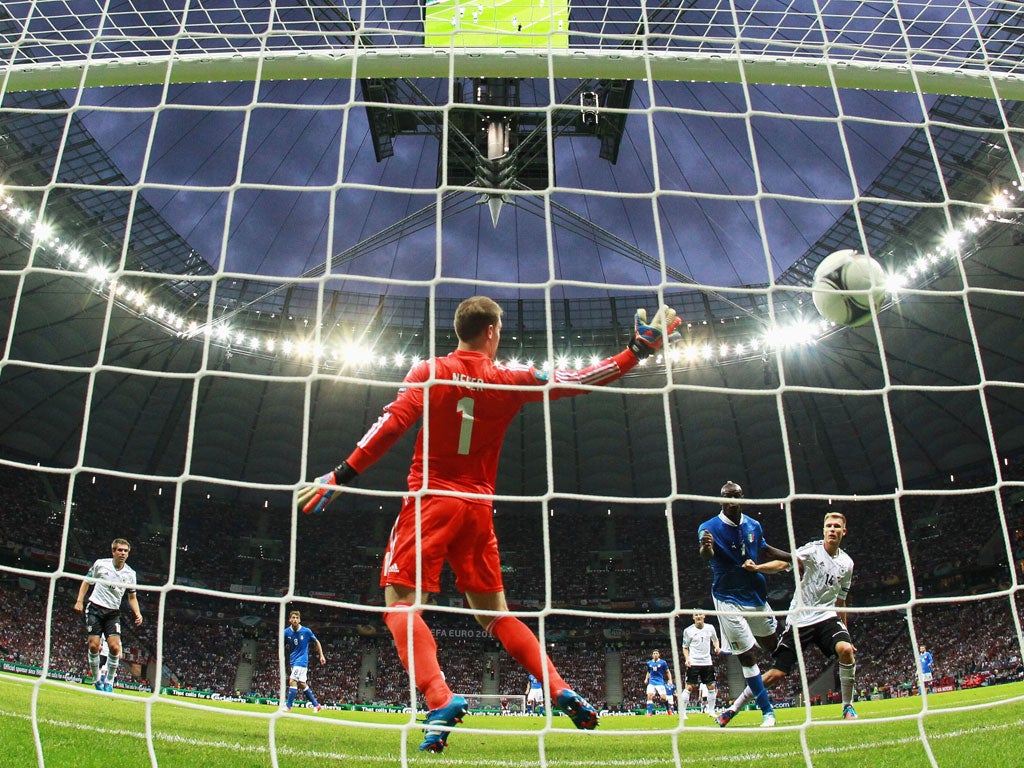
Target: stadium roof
(191, 219)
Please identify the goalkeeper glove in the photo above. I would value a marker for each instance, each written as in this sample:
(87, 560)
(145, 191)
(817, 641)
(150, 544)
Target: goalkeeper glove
(313, 498)
(649, 338)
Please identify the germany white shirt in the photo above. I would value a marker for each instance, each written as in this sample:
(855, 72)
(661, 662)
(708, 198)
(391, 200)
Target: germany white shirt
(108, 595)
(699, 641)
(824, 580)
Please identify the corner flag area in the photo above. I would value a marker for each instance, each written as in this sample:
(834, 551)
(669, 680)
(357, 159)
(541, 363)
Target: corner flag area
(496, 24)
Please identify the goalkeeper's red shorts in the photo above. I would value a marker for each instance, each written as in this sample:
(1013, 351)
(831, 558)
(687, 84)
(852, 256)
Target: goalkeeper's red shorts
(460, 531)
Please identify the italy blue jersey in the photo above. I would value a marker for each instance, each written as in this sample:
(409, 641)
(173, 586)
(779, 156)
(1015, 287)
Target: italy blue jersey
(734, 544)
(658, 670)
(535, 683)
(926, 661)
(297, 645)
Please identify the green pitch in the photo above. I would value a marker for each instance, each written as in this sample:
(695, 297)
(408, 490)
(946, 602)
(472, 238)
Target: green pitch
(496, 24)
(79, 728)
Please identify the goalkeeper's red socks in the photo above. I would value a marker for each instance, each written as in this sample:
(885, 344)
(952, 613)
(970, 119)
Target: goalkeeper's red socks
(523, 646)
(429, 679)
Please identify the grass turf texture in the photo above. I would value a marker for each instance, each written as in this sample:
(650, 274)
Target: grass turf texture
(80, 728)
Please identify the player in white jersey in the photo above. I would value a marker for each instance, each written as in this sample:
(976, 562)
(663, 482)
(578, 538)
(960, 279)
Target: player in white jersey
(826, 572)
(700, 640)
(110, 578)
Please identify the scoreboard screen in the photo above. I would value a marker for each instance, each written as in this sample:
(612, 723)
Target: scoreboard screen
(496, 24)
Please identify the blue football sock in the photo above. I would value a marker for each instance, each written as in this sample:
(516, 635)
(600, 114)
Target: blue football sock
(292, 693)
(311, 696)
(752, 675)
(764, 702)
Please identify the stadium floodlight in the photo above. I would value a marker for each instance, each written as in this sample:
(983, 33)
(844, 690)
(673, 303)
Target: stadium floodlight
(98, 273)
(1001, 200)
(952, 240)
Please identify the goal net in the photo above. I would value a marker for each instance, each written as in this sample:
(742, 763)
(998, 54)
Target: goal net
(229, 229)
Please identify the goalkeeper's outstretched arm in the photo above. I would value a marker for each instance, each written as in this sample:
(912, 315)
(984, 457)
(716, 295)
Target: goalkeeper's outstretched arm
(407, 408)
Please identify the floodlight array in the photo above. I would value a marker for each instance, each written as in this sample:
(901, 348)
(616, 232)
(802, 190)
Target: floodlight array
(795, 332)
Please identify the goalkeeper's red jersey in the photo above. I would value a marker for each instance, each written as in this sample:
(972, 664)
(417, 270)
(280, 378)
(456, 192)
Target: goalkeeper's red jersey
(466, 409)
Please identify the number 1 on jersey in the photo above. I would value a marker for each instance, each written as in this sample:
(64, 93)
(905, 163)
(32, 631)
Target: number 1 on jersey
(465, 407)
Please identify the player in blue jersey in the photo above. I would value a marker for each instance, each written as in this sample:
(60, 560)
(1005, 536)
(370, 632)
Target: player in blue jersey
(297, 640)
(926, 662)
(534, 696)
(658, 675)
(727, 541)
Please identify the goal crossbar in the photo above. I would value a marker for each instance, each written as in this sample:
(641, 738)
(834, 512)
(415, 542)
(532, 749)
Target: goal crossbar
(578, 63)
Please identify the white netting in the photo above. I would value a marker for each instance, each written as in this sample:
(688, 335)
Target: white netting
(216, 271)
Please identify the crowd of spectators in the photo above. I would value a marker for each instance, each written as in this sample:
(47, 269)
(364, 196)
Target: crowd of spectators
(600, 559)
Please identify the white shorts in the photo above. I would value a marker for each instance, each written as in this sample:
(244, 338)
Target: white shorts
(298, 674)
(926, 677)
(658, 689)
(740, 633)
(535, 694)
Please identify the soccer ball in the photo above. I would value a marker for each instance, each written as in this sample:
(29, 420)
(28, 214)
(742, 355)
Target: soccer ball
(844, 271)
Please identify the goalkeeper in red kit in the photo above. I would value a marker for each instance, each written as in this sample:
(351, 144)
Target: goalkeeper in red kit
(465, 421)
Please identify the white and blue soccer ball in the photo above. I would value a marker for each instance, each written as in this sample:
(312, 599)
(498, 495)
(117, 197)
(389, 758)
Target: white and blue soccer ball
(846, 284)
